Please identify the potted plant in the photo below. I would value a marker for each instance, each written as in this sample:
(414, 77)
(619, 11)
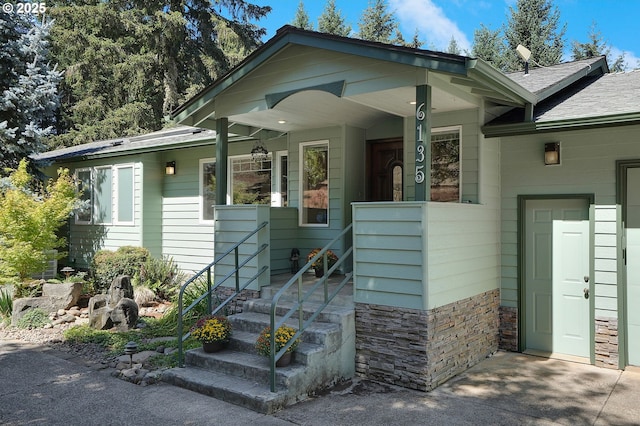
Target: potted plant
(213, 331)
(318, 265)
(284, 334)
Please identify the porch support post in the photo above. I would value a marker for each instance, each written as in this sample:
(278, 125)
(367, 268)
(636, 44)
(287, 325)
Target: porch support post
(222, 152)
(423, 143)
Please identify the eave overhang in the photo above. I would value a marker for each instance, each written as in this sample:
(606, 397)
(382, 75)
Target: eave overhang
(561, 125)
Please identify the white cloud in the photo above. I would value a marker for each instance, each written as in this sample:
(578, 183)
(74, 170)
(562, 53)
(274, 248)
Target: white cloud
(430, 21)
(630, 59)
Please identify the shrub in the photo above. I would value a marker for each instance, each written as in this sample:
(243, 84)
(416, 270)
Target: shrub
(107, 265)
(33, 318)
(162, 276)
(6, 305)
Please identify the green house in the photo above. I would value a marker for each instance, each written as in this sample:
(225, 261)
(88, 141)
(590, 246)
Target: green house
(464, 241)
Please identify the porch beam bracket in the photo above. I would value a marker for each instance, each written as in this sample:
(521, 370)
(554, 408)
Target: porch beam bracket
(423, 143)
(253, 132)
(336, 88)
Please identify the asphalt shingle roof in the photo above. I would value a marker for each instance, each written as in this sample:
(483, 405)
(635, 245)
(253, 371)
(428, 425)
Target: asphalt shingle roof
(610, 94)
(160, 139)
(541, 79)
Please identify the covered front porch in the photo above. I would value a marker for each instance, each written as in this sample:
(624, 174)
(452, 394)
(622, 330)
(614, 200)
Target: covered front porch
(385, 140)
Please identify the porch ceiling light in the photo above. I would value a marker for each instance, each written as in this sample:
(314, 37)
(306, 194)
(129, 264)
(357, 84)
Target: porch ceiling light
(551, 153)
(259, 153)
(170, 168)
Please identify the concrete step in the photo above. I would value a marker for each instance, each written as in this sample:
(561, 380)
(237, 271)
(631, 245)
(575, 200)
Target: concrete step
(243, 392)
(306, 353)
(243, 365)
(331, 313)
(322, 333)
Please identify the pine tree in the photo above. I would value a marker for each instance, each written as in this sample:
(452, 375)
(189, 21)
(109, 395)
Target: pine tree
(487, 45)
(596, 46)
(453, 47)
(301, 19)
(28, 88)
(416, 43)
(127, 65)
(535, 25)
(332, 22)
(377, 23)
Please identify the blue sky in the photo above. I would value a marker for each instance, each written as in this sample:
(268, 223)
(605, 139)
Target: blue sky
(438, 20)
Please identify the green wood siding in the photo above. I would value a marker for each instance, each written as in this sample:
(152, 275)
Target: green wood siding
(284, 237)
(233, 223)
(184, 236)
(390, 246)
(588, 167)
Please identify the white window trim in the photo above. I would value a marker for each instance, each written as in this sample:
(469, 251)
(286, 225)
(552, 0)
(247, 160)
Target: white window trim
(90, 170)
(450, 129)
(116, 195)
(276, 184)
(301, 186)
(201, 218)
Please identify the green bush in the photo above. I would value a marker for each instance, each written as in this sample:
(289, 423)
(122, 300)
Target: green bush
(33, 318)
(107, 265)
(162, 276)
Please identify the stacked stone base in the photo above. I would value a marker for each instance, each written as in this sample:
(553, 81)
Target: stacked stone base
(508, 329)
(423, 349)
(607, 342)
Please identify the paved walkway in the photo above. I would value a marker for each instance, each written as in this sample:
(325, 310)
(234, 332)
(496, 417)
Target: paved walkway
(43, 387)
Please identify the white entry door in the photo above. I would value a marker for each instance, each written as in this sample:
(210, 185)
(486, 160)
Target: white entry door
(545, 319)
(632, 233)
(570, 294)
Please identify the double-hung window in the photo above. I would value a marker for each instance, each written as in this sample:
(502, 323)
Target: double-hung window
(107, 193)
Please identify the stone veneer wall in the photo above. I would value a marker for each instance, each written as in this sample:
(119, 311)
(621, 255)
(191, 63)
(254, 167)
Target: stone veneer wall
(607, 342)
(237, 304)
(508, 329)
(423, 349)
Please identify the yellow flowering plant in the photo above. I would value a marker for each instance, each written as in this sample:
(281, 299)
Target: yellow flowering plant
(283, 335)
(211, 329)
(331, 258)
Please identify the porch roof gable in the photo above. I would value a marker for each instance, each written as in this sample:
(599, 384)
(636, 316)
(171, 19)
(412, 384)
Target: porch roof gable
(471, 72)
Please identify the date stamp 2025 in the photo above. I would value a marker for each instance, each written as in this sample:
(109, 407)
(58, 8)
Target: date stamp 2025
(25, 8)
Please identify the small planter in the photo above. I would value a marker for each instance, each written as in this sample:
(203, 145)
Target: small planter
(319, 272)
(285, 359)
(212, 347)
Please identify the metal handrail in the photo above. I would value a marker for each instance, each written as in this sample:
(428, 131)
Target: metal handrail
(299, 305)
(210, 288)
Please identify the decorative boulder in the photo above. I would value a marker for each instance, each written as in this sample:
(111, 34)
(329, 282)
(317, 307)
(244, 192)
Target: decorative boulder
(22, 305)
(63, 295)
(116, 308)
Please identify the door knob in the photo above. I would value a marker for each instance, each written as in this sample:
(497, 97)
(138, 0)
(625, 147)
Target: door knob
(586, 293)
(586, 278)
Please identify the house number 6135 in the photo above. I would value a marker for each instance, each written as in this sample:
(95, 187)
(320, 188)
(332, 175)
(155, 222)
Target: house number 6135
(420, 116)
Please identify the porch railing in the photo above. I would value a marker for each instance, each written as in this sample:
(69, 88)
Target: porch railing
(303, 297)
(211, 287)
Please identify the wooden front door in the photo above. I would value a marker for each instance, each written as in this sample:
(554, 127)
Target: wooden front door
(385, 170)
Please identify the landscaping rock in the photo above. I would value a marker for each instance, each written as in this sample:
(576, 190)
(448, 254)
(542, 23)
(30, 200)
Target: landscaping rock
(64, 295)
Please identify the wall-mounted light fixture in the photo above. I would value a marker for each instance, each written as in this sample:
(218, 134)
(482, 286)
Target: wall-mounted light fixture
(170, 168)
(551, 153)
